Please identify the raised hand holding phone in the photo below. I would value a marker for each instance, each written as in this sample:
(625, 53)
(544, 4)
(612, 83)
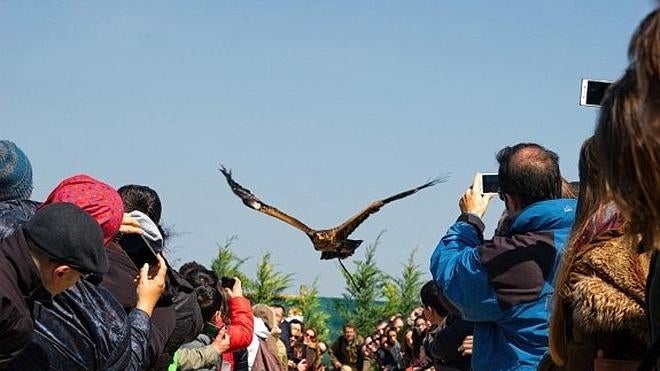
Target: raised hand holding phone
(236, 289)
(473, 200)
(149, 289)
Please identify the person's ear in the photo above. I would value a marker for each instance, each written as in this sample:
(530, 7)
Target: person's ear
(60, 278)
(512, 203)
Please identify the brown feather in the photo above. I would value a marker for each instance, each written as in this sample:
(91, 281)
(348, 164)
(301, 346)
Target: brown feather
(334, 242)
(346, 228)
(251, 201)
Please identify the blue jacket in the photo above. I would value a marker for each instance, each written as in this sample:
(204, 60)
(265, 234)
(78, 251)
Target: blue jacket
(505, 285)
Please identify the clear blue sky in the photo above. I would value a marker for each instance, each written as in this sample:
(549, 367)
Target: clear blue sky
(318, 107)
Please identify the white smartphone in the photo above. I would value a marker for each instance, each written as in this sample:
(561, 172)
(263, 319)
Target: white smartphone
(489, 183)
(592, 92)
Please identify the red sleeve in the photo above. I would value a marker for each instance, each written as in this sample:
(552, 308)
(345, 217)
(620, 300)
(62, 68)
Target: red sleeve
(241, 325)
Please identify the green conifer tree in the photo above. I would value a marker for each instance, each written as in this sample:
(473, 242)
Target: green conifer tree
(313, 314)
(402, 293)
(269, 285)
(228, 264)
(360, 305)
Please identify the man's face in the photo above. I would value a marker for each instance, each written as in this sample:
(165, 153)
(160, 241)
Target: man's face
(398, 323)
(349, 333)
(279, 314)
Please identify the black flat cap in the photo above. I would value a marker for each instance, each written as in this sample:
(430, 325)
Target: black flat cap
(69, 235)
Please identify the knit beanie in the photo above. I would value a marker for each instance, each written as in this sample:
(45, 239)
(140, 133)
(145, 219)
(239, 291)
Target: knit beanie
(99, 199)
(15, 173)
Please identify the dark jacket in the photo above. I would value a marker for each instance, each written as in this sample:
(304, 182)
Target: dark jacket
(441, 344)
(188, 318)
(120, 282)
(349, 354)
(652, 357)
(20, 287)
(84, 328)
(89, 314)
(505, 285)
(390, 358)
(285, 336)
(15, 213)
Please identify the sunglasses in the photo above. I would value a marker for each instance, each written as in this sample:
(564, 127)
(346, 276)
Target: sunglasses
(311, 336)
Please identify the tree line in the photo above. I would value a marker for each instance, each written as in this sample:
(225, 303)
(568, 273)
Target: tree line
(371, 295)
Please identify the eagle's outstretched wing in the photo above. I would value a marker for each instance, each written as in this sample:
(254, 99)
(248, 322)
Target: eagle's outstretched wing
(251, 201)
(346, 228)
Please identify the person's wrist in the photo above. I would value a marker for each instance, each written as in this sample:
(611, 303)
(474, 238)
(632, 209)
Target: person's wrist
(477, 212)
(146, 306)
(218, 348)
(474, 212)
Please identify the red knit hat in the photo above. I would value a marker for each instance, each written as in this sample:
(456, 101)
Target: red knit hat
(98, 199)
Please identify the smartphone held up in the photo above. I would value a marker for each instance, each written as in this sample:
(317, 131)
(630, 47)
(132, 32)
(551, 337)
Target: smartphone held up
(227, 282)
(489, 183)
(592, 92)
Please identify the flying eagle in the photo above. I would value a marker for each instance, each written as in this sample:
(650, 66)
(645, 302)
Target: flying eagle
(333, 242)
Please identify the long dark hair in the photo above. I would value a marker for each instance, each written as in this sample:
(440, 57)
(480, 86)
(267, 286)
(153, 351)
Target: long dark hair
(146, 200)
(591, 197)
(629, 152)
(644, 55)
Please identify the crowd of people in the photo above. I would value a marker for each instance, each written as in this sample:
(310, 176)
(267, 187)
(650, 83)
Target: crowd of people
(568, 282)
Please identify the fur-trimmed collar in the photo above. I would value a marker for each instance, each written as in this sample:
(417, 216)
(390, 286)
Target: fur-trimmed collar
(608, 286)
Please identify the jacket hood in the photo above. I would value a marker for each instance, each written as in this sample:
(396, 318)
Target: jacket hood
(544, 215)
(260, 328)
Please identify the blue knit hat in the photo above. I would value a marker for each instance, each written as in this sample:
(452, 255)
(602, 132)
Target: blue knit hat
(15, 173)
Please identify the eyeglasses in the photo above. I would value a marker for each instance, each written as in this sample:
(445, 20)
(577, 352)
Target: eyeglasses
(311, 336)
(83, 274)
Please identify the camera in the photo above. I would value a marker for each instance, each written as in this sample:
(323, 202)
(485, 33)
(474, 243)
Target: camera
(489, 183)
(592, 92)
(227, 282)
